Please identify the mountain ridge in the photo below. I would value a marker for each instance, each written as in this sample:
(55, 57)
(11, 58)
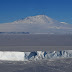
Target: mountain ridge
(37, 24)
(43, 19)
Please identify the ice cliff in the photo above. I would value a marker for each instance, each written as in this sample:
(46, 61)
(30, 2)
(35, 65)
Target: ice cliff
(37, 55)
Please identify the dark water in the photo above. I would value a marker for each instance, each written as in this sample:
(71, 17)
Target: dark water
(36, 40)
(34, 48)
(60, 65)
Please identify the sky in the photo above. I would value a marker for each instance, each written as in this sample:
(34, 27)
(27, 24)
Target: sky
(11, 10)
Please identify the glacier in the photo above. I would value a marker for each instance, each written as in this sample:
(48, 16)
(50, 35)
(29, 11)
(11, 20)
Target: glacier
(36, 55)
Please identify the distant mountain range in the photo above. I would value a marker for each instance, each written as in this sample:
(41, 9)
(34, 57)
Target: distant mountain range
(37, 24)
(14, 33)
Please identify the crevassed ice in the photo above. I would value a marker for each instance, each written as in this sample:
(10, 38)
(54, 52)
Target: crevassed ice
(37, 55)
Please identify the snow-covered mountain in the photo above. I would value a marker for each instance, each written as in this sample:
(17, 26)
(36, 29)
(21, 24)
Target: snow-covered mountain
(37, 24)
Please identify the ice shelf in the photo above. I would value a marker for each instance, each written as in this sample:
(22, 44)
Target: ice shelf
(37, 55)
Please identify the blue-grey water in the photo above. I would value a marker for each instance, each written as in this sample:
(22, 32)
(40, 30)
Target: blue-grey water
(35, 40)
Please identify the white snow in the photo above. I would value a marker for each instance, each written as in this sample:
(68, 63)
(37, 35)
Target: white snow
(39, 19)
(38, 55)
(63, 22)
(12, 56)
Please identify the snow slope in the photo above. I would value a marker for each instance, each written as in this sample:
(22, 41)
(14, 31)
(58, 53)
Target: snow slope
(38, 55)
(37, 24)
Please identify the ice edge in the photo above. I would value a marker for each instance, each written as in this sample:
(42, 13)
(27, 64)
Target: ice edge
(36, 55)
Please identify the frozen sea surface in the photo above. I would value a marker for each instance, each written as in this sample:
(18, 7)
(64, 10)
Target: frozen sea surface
(58, 65)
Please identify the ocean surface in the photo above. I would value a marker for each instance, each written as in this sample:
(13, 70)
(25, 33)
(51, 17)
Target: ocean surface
(35, 40)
